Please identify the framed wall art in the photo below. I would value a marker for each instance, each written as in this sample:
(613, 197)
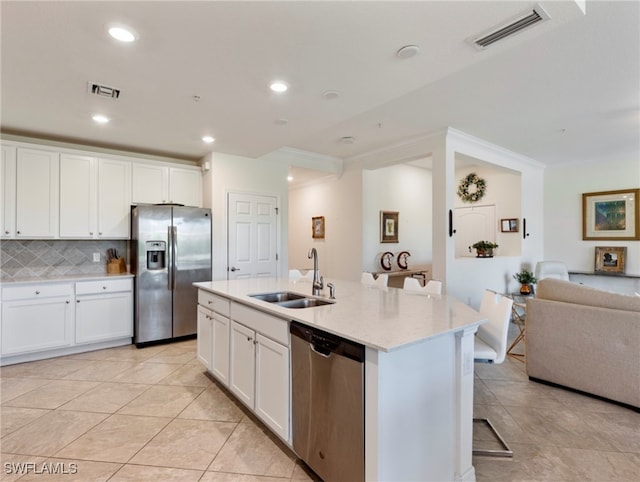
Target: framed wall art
(610, 260)
(509, 225)
(611, 215)
(389, 226)
(317, 227)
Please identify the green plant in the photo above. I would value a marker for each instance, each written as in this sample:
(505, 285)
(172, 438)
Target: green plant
(525, 277)
(484, 245)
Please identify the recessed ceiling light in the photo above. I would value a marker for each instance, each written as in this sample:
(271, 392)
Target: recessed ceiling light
(208, 139)
(408, 51)
(100, 119)
(289, 178)
(281, 122)
(122, 33)
(279, 86)
(347, 140)
(330, 94)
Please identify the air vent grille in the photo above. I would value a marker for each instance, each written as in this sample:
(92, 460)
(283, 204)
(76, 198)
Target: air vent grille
(104, 90)
(522, 22)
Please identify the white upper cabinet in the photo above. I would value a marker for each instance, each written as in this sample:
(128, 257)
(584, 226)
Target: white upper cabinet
(185, 186)
(78, 197)
(114, 198)
(95, 197)
(150, 184)
(8, 192)
(37, 193)
(154, 184)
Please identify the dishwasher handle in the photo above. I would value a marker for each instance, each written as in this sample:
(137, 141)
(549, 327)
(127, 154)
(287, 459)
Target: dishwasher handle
(325, 344)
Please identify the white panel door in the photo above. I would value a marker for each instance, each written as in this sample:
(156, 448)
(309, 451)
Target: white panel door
(252, 228)
(472, 224)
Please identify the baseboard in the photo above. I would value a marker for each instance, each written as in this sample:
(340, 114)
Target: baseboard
(575, 390)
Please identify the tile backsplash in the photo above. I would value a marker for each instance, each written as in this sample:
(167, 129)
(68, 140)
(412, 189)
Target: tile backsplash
(41, 259)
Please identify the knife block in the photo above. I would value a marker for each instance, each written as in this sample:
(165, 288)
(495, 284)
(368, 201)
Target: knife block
(116, 266)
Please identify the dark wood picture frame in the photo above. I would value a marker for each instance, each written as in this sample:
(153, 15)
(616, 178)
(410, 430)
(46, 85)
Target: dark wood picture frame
(317, 227)
(509, 225)
(389, 226)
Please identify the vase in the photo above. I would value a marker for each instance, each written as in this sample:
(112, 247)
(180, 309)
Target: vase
(525, 289)
(484, 252)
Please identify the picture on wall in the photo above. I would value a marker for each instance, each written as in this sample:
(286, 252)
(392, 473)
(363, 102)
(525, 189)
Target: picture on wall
(389, 226)
(610, 260)
(509, 225)
(611, 215)
(317, 227)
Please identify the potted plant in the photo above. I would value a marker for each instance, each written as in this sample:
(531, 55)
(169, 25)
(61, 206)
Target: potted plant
(484, 249)
(526, 279)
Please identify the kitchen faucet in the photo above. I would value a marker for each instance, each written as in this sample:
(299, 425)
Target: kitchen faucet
(318, 282)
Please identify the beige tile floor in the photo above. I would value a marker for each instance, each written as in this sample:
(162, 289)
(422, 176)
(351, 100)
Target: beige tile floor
(151, 414)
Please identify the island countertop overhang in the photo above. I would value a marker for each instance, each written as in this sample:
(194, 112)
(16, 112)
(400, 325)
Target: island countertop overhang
(384, 319)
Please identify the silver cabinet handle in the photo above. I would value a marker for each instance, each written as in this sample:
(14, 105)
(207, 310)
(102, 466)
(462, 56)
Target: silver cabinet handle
(37, 292)
(104, 287)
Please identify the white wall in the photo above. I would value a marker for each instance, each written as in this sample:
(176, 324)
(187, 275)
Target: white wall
(241, 174)
(563, 188)
(339, 201)
(408, 190)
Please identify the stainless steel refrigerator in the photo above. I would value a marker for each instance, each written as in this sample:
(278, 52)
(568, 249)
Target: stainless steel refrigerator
(170, 250)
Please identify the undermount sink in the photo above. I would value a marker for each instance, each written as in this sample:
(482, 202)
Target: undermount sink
(305, 303)
(287, 299)
(278, 296)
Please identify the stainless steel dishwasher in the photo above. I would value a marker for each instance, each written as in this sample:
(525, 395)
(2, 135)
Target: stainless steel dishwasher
(328, 403)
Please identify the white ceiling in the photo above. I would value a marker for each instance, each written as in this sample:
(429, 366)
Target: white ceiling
(566, 90)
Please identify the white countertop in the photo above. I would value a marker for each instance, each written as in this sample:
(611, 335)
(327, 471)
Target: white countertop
(70, 278)
(384, 319)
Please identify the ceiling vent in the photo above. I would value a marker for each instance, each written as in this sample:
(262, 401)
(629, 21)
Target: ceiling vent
(512, 27)
(104, 90)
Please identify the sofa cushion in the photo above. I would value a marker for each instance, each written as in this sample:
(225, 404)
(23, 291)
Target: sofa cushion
(568, 292)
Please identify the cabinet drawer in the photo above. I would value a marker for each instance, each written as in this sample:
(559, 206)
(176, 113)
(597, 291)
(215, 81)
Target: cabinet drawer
(271, 326)
(44, 290)
(213, 302)
(103, 286)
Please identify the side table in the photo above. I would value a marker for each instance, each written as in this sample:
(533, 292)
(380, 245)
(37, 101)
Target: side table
(518, 316)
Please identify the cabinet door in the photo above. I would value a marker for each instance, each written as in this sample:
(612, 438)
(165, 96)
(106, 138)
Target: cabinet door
(185, 186)
(77, 197)
(114, 198)
(8, 192)
(272, 385)
(205, 336)
(104, 317)
(220, 357)
(242, 363)
(36, 324)
(37, 193)
(150, 184)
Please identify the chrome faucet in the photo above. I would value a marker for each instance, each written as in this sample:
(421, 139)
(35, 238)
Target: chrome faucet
(318, 282)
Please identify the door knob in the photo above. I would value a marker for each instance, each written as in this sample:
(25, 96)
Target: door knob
(233, 268)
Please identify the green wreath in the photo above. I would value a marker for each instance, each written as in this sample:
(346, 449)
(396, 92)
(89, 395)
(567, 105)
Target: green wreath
(472, 180)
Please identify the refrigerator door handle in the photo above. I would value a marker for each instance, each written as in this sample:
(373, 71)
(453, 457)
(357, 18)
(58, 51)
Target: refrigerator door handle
(174, 249)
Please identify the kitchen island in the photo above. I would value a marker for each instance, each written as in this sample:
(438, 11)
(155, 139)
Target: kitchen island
(418, 373)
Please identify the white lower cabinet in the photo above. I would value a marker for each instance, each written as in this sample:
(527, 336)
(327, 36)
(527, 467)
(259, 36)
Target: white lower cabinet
(205, 337)
(243, 362)
(36, 318)
(220, 355)
(104, 310)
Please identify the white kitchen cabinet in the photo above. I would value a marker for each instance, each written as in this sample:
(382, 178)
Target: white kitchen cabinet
(155, 184)
(104, 310)
(204, 346)
(259, 365)
(272, 384)
(95, 197)
(242, 363)
(114, 198)
(7, 191)
(37, 193)
(220, 357)
(37, 317)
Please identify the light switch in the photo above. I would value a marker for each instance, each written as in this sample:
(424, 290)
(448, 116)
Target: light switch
(96, 257)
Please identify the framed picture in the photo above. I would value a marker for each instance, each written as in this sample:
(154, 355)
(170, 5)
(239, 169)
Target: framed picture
(509, 225)
(610, 260)
(611, 215)
(317, 227)
(389, 226)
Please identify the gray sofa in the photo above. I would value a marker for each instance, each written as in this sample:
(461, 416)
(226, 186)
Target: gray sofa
(585, 339)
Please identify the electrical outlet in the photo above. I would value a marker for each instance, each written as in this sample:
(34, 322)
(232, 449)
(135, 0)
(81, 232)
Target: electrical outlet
(96, 257)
